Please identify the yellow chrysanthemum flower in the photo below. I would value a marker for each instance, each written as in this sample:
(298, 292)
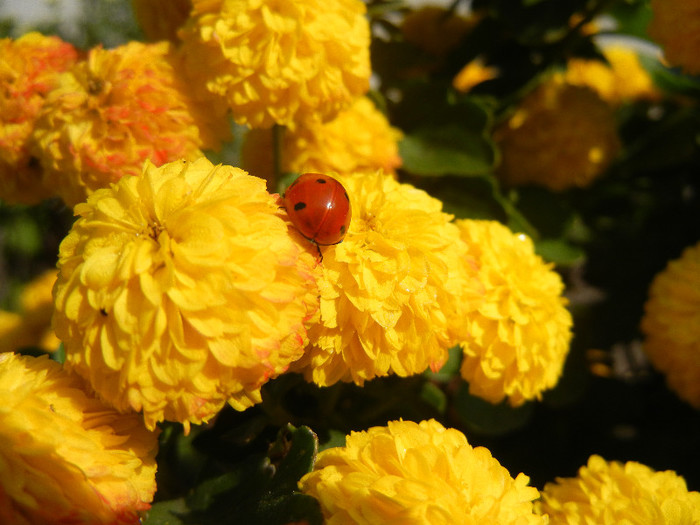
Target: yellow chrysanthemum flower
(395, 292)
(612, 493)
(417, 473)
(29, 69)
(160, 19)
(671, 325)
(675, 25)
(358, 139)
(519, 337)
(32, 325)
(279, 62)
(623, 79)
(561, 136)
(182, 289)
(117, 109)
(66, 457)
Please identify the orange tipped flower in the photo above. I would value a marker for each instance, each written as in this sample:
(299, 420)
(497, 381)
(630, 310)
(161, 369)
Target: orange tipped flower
(29, 70)
(117, 109)
(181, 290)
(65, 456)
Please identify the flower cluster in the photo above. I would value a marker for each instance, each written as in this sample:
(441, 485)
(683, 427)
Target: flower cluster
(417, 473)
(395, 293)
(31, 326)
(561, 136)
(609, 493)
(66, 457)
(671, 327)
(359, 139)
(29, 69)
(279, 62)
(182, 289)
(115, 110)
(519, 337)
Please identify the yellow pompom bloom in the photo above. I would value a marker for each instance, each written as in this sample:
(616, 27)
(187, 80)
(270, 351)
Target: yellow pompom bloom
(519, 337)
(29, 69)
(358, 139)
(32, 326)
(282, 62)
(160, 19)
(623, 79)
(66, 457)
(182, 289)
(612, 493)
(675, 25)
(561, 136)
(671, 325)
(395, 292)
(414, 474)
(115, 110)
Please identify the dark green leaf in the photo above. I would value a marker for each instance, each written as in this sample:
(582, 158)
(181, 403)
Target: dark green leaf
(559, 252)
(486, 418)
(434, 396)
(447, 150)
(167, 513)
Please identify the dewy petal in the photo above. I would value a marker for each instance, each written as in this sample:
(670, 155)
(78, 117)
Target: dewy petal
(211, 298)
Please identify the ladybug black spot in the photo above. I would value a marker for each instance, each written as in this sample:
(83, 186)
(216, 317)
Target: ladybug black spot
(321, 181)
(299, 206)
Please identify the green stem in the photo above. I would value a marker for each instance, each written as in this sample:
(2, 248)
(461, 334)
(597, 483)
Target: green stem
(277, 133)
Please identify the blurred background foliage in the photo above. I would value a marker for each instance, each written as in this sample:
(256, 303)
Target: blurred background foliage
(608, 240)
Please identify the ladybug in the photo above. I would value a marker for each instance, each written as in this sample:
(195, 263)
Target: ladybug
(319, 208)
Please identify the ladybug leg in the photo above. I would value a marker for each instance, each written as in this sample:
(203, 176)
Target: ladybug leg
(320, 254)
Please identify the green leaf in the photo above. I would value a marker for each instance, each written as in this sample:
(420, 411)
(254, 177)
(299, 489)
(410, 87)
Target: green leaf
(434, 396)
(486, 418)
(559, 252)
(23, 235)
(167, 513)
(257, 489)
(447, 150)
(670, 79)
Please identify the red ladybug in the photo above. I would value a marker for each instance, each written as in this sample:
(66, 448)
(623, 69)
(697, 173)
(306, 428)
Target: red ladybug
(319, 208)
